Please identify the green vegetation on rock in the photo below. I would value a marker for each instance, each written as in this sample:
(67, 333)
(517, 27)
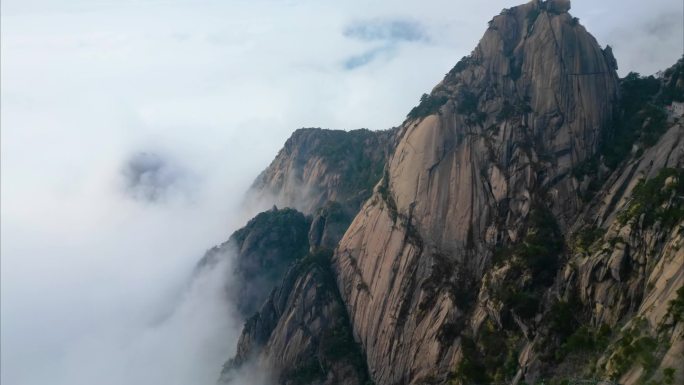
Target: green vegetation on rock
(673, 85)
(586, 237)
(539, 250)
(465, 62)
(429, 104)
(585, 339)
(336, 343)
(675, 308)
(355, 154)
(265, 247)
(633, 347)
(640, 120)
(470, 370)
(657, 199)
(305, 373)
(490, 357)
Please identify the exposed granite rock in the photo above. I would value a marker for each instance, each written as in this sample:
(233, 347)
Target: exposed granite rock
(632, 271)
(526, 107)
(329, 225)
(316, 166)
(302, 335)
(558, 6)
(481, 254)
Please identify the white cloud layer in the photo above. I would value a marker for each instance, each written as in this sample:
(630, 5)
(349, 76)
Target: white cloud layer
(216, 86)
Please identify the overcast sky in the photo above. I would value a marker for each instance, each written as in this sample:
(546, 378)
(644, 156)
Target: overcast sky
(131, 128)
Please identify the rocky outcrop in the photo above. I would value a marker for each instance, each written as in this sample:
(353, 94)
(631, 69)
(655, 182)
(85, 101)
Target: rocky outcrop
(512, 120)
(262, 252)
(317, 166)
(329, 225)
(631, 273)
(301, 335)
(297, 328)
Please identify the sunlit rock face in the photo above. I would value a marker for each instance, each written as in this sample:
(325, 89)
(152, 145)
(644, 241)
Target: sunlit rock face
(509, 123)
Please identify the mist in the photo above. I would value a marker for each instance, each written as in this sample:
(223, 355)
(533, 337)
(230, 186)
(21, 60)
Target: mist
(131, 131)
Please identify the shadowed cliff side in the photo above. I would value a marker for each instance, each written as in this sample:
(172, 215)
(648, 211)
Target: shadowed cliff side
(297, 329)
(302, 333)
(262, 251)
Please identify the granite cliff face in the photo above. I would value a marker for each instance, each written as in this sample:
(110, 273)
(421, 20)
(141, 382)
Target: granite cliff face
(628, 273)
(511, 122)
(301, 335)
(526, 222)
(296, 325)
(317, 166)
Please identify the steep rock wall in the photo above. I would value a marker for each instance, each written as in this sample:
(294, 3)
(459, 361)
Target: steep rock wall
(512, 121)
(301, 334)
(262, 251)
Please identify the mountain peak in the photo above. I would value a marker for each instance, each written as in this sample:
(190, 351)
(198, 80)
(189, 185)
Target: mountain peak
(485, 155)
(473, 260)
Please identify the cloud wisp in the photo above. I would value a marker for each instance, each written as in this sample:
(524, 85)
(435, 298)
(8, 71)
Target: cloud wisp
(386, 35)
(393, 31)
(151, 178)
(366, 57)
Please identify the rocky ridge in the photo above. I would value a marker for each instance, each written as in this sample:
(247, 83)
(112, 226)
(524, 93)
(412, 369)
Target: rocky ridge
(317, 166)
(527, 224)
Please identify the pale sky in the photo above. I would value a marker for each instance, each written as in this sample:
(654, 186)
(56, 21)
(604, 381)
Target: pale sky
(131, 129)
